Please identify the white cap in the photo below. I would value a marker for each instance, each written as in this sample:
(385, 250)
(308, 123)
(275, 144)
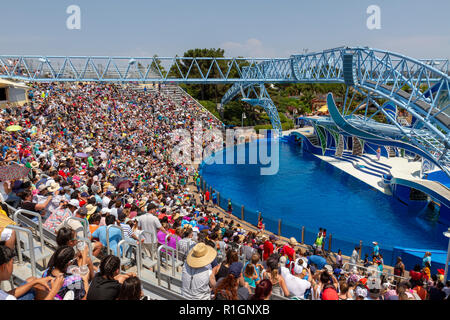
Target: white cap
(74, 202)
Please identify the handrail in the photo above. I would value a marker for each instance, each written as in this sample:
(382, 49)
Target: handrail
(138, 252)
(152, 236)
(83, 224)
(387, 274)
(166, 248)
(107, 235)
(35, 214)
(30, 244)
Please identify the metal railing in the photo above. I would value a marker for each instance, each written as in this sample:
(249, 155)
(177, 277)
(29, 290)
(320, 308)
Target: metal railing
(138, 247)
(111, 226)
(32, 224)
(83, 225)
(29, 234)
(372, 271)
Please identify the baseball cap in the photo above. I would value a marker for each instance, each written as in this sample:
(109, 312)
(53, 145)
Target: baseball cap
(236, 269)
(74, 202)
(82, 211)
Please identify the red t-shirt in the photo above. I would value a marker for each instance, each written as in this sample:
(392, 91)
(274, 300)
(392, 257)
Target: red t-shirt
(287, 250)
(268, 249)
(207, 196)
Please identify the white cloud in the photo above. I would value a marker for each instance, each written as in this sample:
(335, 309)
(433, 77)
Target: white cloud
(250, 48)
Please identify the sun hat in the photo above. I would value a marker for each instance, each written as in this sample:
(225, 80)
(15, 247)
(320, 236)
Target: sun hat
(34, 164)
(283, 260)
(91, 209)
(292, 241)
(42, 187)
(53, 187)
(328, 268)
(201, 255)
(236, 269)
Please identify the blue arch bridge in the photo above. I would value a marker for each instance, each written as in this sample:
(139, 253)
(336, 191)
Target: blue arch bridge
(390, 83)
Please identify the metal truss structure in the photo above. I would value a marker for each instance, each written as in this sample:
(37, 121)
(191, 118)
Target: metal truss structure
(420, 87)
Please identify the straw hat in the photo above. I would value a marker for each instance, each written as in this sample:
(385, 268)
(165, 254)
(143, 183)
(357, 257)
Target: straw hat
(34, 164)
(201, 255)
(292, 241)
(53, 187)
(91, 209)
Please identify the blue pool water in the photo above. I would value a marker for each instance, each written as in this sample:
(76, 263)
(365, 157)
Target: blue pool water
(312, 193)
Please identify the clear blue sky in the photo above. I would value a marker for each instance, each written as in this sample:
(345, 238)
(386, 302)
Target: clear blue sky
(260, 28)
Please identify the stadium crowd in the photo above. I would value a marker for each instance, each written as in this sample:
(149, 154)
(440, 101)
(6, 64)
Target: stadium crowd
(102, 153)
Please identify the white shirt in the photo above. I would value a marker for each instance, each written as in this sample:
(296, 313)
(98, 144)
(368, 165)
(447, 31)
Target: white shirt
(195, 283)
(6, 296)
(295, 285)
(148, 222)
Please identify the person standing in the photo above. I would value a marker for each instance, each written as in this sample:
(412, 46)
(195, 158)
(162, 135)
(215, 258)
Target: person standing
(150, 223)
(426, 258)
(268, 247)
(354, 259)
(376, 251)
(399, 269)
(378, 154)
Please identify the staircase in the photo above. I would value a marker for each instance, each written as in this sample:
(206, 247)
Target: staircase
(314, 140)
(391, 152)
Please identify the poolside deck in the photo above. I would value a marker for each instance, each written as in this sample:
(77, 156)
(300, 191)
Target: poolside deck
(401, 167)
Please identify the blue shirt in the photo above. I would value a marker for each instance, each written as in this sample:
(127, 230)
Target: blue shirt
(114, 237)
(376, 250)
(319, 261)
(425, 260)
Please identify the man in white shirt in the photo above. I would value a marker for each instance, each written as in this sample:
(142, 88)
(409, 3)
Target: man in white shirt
(150, 223)
(295, 284)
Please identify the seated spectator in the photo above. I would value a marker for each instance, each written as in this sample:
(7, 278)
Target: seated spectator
(115, 235)
(263, 290)
(106, 284)
(29, 205)
(131, 289)
(27, 290)
(296, 282)
(196, 273)
(58, 265)
(278, 284)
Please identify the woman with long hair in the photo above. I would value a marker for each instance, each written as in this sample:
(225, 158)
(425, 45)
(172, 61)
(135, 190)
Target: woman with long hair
(221, 270)
(58, 265)
(278, 284)
(131, 289)
(227, 288)
(263, 290)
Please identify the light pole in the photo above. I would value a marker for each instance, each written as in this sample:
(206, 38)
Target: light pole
(447, 234)
(242, 119)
